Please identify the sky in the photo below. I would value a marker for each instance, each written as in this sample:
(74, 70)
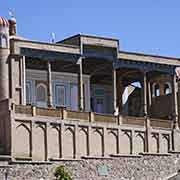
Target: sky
(145, 26)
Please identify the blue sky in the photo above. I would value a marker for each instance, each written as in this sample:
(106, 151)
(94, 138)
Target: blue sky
(146, 26)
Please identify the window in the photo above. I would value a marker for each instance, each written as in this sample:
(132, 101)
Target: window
(167, 89)
(28, 92)
(4, 42)
(100, 105)
(41, 95)
(99, 92)
(99, 100)
(59, 95)
(156, 90)
(74, 97)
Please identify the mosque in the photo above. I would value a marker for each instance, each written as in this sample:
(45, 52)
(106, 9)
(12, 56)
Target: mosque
(83, 97)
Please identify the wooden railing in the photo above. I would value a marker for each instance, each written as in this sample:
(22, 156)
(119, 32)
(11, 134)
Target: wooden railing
(78, 115)
(140, 121)
(91, 116)
(23, 109)
(48, 112)
(161, 123)
(38, 111)
(105, 118)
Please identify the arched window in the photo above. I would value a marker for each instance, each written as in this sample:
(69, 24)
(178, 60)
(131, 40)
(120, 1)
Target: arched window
(167, 88)
(3, 41)
(156, 90)
(28, 92)
(41, 95)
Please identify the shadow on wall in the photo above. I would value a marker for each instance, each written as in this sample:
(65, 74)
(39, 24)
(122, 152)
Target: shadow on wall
(58, 140)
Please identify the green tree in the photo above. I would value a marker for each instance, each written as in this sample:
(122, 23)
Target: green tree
(62, 174)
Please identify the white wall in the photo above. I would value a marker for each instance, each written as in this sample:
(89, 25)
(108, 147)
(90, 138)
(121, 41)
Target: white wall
(66, 79)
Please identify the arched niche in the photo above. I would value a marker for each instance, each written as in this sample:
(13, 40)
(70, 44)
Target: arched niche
(82, 142)
(39, 143)
(138, 143)
(112, 143)
(96, 143)
(3, 41)
(155, 90)
(68, 143)
(54, 142)
(41, 95)
(22, 141)
(167, 88)
(154, 146)
(125, 143)
(164, 144)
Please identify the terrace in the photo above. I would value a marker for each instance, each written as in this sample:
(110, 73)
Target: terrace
(88, 79)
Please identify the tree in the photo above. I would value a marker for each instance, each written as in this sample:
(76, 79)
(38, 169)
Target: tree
(62, 174)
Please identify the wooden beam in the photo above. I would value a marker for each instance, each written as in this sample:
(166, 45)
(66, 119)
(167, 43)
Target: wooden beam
(148, 58)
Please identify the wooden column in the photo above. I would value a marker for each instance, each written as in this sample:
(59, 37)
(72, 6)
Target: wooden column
(145, 93)
(80, 83)
(120, 94)
(149, 94)
(175, 102)
(147, 120)
(49, 79)
(114, 91)
(24, 80)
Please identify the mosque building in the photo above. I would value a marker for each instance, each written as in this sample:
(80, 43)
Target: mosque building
(84, 97)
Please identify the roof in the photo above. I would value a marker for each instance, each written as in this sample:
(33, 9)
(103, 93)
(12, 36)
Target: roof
(79, 39)
(3, 22)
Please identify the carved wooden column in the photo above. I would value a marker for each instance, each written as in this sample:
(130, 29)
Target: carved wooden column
(80, 83)
(149, 95)
(120, 94)
(49, 79)
(23, 84)
(175, 103)
(114, 91)
(147, 120)
(145, 93)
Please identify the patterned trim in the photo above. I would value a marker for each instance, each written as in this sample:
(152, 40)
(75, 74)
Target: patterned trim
(4, 22)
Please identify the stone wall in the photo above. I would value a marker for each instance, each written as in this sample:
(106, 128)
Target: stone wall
(145, 167)
(5, 127)
(49, 138)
